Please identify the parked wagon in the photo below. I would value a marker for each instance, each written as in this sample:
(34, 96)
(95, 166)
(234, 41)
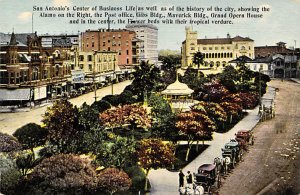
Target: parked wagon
(232, 151)
(207, 177)
(245, 138)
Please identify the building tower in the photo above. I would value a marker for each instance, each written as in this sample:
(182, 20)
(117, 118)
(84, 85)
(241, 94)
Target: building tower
(190, 46)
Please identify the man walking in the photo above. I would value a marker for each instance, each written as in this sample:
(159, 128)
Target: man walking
(189, 178)
(181, 178)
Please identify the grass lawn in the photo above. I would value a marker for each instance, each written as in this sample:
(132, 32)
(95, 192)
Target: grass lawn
(181, 153)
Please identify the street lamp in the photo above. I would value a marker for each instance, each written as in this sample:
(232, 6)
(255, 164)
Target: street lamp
(259, 79)
(112, 81)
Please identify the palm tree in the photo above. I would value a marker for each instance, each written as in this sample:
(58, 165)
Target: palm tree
(198, 59)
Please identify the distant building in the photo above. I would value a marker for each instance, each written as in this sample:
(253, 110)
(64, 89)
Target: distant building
(149, 34)
(265, 51)
(28, 71)
(217, 52)
(262, 65)
(99, 65)
(120, 41)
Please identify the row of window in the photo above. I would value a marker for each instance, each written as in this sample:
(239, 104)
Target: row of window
(100, 59)
(218, 55)
(217, 48)
(103, 36)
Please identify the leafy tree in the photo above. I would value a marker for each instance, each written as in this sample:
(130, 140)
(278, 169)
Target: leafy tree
(154, 154)
(164, 119)
(31, 135)
(248, 100)
(215, 91)
(137, 176)
(133, 116)
(101, 105)
(113, 100)
(233, 110)
(228, 78)
(9, 143)
(245, 76)
(170, 61)
(214, 111)
(25, 162)
(9, 174)
(61, 121)
(146, 78)
(195, 125)
(118, 152)
(114, 180)
(88, 117)
(192, 79)
(170, 64)
(64, 173)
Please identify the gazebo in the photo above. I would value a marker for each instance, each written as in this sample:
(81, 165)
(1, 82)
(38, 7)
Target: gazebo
(179, 95)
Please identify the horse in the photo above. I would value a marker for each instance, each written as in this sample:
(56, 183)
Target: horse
(227, 162)
(219, 162)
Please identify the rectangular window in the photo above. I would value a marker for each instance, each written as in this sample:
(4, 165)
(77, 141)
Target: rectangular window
(81, 57)
(89, 58)
(210, 48)
(90, 67)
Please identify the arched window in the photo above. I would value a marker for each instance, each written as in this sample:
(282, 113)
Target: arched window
(223, 63)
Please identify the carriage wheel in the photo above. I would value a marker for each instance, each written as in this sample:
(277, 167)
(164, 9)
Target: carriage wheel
(241, 155)
(218, 181)
(209, 190)
(233, 162)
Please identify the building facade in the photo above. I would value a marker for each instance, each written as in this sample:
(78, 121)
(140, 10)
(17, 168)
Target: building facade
(148, 34)
(29, 72)
(217, 52)
(120, 41)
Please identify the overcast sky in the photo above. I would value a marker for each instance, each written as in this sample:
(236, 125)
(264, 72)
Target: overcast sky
(280, 24)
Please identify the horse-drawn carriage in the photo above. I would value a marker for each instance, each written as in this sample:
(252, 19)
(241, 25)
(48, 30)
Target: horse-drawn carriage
(244, 138)
(207, 176)
(232, 153)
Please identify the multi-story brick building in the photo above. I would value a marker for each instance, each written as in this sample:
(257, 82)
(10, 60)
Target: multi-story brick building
(217, 52)
(265, 51)
(28, 71)
(148, 34)
(120, 41)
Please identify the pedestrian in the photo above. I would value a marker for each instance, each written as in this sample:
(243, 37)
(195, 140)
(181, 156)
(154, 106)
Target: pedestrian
(189, 178)
(181, 178)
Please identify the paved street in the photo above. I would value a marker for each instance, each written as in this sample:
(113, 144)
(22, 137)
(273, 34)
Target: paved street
(9, 122)
(272, 166)
(166, 183)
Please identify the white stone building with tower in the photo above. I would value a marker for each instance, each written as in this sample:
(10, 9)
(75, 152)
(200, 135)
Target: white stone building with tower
(217, 51)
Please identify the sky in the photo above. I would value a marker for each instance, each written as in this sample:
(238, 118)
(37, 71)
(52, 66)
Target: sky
(281, 23)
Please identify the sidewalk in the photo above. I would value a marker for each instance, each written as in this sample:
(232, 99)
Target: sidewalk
(296, 80)
(164, 182)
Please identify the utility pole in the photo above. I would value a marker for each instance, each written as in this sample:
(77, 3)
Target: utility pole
(94, 75)
(112, 80)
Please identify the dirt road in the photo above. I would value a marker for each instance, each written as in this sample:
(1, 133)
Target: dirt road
(272, 166)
